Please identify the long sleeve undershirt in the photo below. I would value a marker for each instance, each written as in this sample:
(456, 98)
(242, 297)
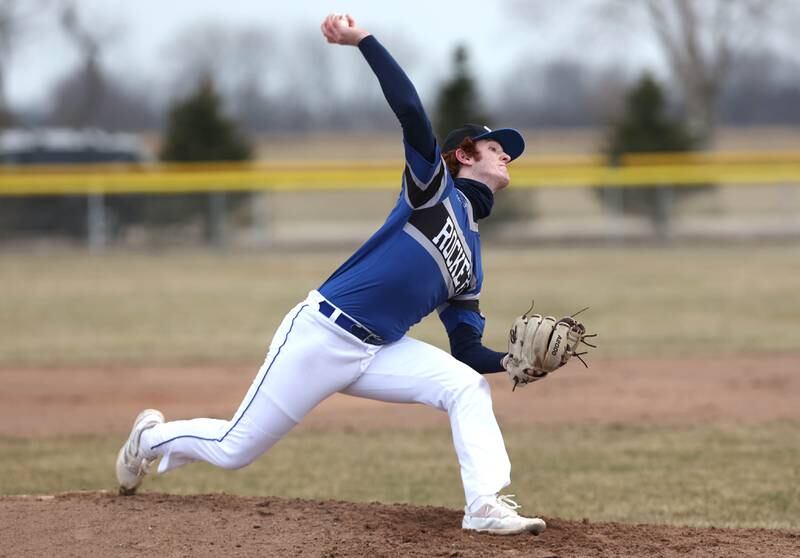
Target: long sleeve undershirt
(465, 345)
(401, 96)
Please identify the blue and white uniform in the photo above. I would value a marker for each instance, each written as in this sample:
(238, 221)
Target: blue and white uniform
(427, 255)
(349, 335)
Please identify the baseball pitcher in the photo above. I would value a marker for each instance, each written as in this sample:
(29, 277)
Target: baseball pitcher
(349, 335)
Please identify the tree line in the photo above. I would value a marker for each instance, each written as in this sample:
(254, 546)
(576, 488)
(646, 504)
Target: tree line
(292, 82)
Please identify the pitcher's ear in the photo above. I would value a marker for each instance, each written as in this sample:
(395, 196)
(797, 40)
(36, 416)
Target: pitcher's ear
(462, 157)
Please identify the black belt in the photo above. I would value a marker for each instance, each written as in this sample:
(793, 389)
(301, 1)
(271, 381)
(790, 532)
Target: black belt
(350, 326)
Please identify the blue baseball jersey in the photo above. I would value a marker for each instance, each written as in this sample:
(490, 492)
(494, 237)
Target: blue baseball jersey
(426, 256)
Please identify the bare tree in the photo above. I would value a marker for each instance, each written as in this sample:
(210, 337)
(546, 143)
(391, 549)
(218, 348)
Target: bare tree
(15, 18)
(122, 106)
(277, 82)
(236, 57)
(763, 87)
(335, 88)
(699, 39)
(563, 92)
(81, 110)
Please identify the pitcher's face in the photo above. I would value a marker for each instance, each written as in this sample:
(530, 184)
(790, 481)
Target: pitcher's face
(491, 167)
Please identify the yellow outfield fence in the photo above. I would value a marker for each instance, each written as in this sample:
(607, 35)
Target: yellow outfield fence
(673, 169)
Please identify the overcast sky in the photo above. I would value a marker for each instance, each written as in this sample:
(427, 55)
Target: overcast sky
(497, 36)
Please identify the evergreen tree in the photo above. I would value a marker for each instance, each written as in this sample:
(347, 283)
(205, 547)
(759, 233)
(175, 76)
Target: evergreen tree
(458, 101)
(198, 131)
(645, 127)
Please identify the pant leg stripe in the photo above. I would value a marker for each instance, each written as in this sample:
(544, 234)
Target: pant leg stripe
(251, 400)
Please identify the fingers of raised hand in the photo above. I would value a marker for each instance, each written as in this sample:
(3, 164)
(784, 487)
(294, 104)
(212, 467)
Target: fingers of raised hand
(328, 28)
(335, 28)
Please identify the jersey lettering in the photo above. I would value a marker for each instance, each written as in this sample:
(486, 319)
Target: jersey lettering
(446, 233)
(455, 257)
(437, 227)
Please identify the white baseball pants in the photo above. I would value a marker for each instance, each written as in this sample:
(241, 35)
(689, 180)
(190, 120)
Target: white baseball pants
(311, 358)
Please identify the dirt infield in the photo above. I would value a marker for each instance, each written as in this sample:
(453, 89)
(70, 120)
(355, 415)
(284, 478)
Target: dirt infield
(65, 401)
(98, 524)
(55, 401)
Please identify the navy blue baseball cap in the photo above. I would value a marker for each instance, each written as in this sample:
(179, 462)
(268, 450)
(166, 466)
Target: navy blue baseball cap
(510, 139)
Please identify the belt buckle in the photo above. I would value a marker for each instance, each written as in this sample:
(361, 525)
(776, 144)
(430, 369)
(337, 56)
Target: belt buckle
(373, 339)
(365, 335)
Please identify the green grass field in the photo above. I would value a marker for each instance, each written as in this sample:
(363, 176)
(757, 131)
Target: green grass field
(703, 475)
(161, 308)
(72, 308)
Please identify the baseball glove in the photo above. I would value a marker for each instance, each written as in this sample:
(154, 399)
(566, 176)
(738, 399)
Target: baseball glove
(538, 345)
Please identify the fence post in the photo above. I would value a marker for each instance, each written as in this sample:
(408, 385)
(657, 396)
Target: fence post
(663, 212)
(261, 218)
(215, 228)
(614, 204)
(96, 229)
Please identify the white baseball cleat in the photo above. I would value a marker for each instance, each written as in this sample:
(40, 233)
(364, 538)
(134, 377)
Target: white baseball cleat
(500, 517)
(131, 465)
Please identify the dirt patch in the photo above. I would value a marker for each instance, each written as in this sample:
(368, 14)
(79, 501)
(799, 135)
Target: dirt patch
(101, 524)
(59, 401)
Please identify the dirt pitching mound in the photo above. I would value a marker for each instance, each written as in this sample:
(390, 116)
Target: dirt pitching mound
(151, 524)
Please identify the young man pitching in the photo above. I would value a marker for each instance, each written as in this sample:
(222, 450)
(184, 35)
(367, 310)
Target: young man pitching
(349, 335)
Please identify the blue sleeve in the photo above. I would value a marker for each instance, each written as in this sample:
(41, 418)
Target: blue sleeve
(465, 345)
(425, 184)
(402, 98)
(464, 324)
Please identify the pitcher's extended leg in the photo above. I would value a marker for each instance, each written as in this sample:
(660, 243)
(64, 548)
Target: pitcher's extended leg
(291, 382)
(410, 371)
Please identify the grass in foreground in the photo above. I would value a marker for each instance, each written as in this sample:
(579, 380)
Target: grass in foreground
(177, 307)
(722, 476)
